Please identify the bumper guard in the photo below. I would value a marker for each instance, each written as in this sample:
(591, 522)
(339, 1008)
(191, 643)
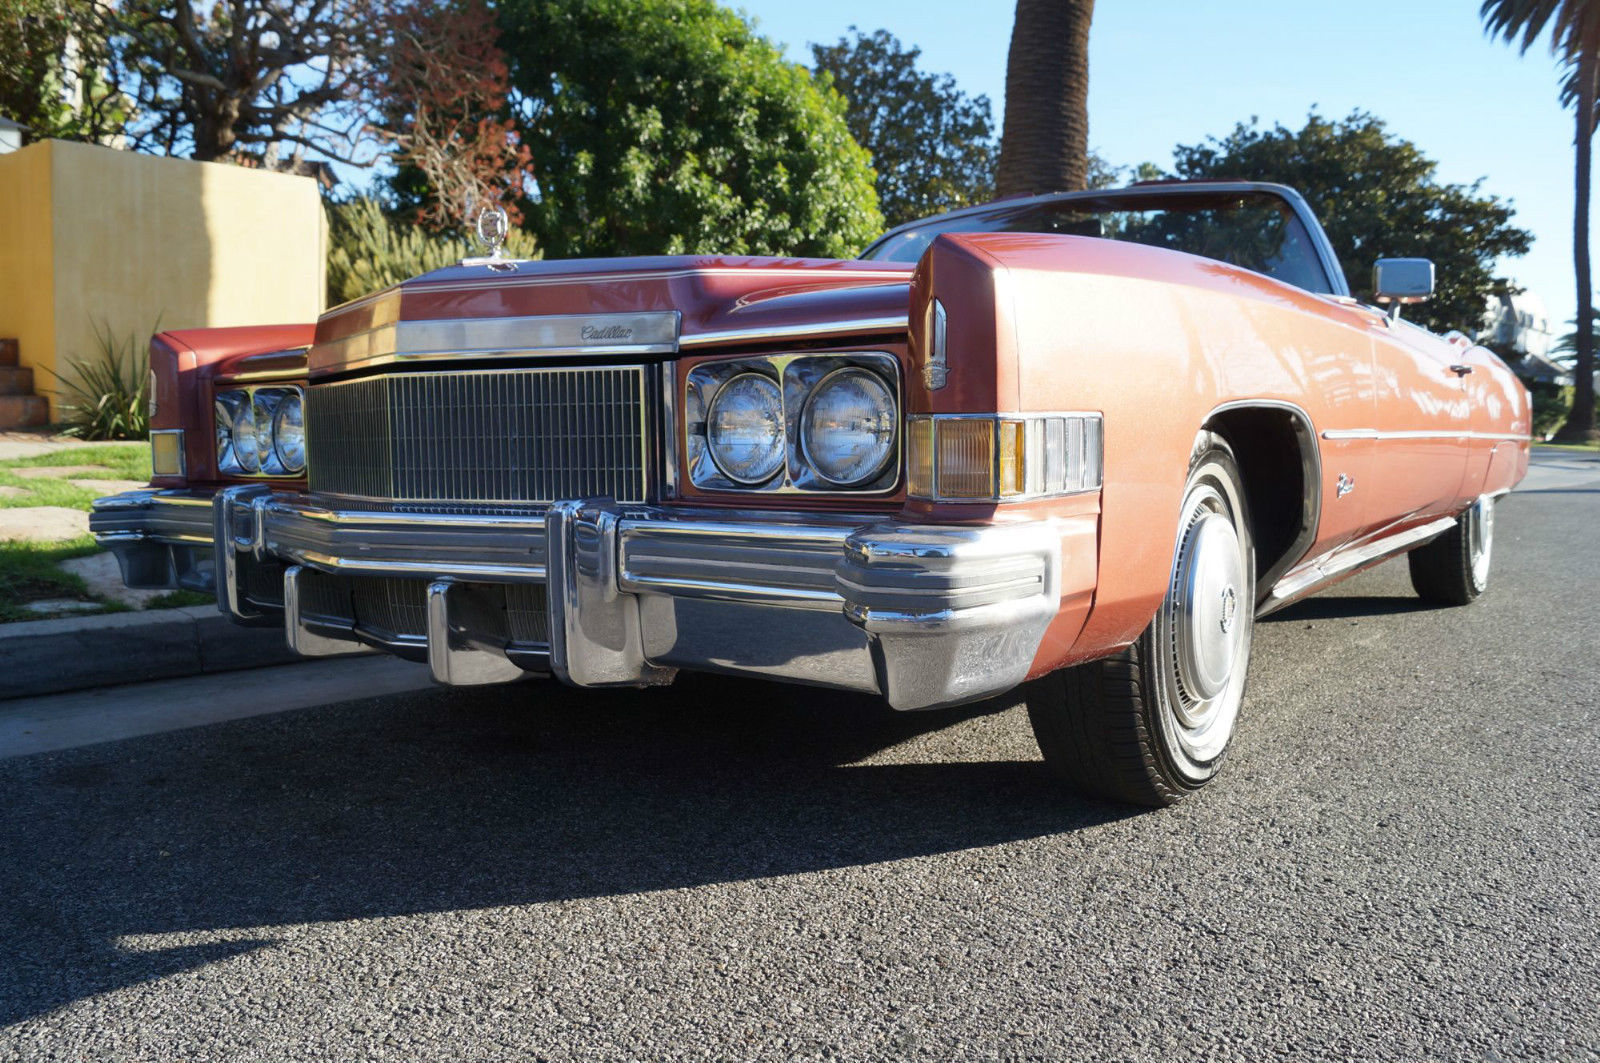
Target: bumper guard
(926, 615)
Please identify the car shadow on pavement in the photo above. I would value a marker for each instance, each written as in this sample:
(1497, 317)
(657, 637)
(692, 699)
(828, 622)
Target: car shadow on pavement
(459, 799)
(1340, 607)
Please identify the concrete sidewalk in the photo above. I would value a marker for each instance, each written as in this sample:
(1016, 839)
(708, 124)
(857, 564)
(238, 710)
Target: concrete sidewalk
(112, 713)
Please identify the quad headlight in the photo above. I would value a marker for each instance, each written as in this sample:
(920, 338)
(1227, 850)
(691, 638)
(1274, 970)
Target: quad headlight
(260, 431)
(744, 429)
(849, 426)
(289, 433)
(794, 422)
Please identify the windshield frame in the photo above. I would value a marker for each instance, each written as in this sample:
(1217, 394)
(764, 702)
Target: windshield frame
(1337, 285)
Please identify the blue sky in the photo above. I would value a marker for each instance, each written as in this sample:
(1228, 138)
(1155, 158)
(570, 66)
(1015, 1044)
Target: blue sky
(1166, 72)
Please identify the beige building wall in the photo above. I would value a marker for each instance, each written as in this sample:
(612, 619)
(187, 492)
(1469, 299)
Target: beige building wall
(117, 241)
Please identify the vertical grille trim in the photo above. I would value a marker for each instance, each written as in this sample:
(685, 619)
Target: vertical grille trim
(510, 437)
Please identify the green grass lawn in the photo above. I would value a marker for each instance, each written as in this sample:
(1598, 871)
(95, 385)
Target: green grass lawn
(1581, 448)
(29, 571)
(126, 461)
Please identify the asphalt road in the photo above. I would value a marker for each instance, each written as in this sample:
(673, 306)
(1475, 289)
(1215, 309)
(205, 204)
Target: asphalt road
(1399, 862)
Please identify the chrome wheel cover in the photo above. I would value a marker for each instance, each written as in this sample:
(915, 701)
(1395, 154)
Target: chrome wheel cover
(1480, 541)
(1204, 628)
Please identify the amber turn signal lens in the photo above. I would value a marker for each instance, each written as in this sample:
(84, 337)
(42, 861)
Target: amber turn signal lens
(166, 452)
(1016, 457)
(1013, 458)
(965, 462)
(919, 458)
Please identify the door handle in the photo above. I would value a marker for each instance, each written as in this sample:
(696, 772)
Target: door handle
(1461, 370)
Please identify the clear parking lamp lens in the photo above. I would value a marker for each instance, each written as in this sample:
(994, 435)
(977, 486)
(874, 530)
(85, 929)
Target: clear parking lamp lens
(848, 427)
(247, 438)
(289, 433)
(744, 429)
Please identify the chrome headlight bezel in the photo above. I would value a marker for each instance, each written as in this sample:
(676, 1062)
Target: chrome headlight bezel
(252, 412)
(797, 375)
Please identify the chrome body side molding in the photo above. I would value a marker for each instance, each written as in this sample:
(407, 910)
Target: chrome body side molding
(1373, 433)
(1342, 562)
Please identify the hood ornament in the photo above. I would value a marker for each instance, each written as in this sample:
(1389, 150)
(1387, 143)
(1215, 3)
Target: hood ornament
(491, 228)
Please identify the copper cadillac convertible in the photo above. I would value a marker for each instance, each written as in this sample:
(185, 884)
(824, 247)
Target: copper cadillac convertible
(1078, 442)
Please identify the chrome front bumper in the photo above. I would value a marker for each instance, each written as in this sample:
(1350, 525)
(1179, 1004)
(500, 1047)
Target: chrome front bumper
(925, 615)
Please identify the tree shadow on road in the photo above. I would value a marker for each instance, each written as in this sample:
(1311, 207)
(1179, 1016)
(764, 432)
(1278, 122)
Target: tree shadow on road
(461, 799)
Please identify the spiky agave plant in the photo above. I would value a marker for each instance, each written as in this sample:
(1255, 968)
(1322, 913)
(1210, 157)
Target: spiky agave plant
(108, 396)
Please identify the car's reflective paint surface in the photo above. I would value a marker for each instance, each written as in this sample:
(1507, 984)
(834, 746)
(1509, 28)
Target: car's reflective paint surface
(1357, 429)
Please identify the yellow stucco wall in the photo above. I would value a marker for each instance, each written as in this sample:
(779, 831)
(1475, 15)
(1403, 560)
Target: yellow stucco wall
(27, 261)
(118, 240)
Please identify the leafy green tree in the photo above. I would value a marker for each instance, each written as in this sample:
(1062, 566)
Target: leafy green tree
(51, 81)
(932, 145)
(1377, 197)
(1575, 39)
(669, 126)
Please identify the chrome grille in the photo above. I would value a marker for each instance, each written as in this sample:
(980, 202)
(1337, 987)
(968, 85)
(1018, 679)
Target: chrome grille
(392, 605)
(388, 607)
(497, 437)
(527, 613)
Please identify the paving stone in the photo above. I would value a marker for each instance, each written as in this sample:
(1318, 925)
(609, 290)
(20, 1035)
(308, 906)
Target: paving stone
(23, 444)
(52, 606)
(103, 577)
(57, 472)
(45, 524)
(7, 491)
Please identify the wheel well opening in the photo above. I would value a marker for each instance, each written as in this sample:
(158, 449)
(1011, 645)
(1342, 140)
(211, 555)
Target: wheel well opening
(1277, 456)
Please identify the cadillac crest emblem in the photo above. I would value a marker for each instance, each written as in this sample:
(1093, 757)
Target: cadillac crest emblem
(491, 227)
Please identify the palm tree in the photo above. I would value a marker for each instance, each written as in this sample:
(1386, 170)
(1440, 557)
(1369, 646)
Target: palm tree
(1044, 146)
(1575, 38)
(1565, 349)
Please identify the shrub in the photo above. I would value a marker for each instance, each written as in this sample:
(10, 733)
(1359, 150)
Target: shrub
(1551, 404)
(368, 249)
(109, 395)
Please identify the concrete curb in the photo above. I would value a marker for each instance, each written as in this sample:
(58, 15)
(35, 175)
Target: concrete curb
(76, 653)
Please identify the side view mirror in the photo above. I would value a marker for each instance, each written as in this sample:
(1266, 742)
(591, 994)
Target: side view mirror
(1402, 280)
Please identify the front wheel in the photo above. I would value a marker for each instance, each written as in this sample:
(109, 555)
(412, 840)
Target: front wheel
(1153, 722)
(1454, 568)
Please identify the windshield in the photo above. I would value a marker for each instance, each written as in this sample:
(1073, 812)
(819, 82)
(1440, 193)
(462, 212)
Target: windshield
(1254, 230)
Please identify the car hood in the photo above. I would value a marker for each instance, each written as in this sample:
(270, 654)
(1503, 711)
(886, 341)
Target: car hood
(702, 301)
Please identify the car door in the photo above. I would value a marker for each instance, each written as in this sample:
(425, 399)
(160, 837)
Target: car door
(1423, 424)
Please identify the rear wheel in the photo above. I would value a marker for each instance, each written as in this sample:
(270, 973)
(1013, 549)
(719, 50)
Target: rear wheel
(1454, 568)
(1153, 722)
